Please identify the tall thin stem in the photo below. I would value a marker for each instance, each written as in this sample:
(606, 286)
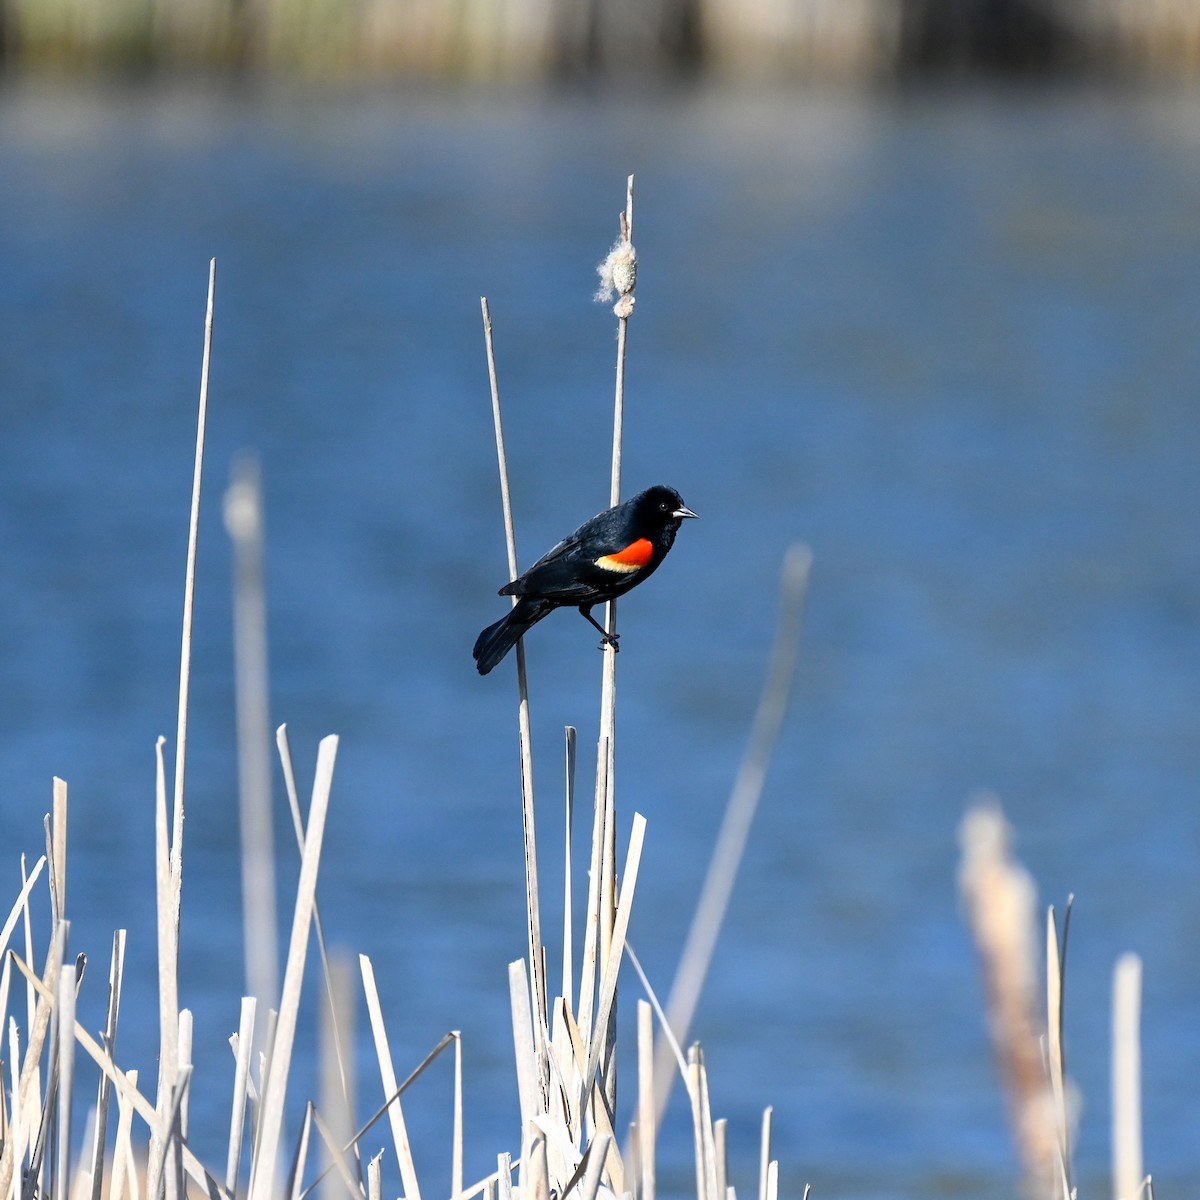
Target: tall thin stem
(537, 964)
(189, 585)
(739, 814)
(608, 688)
(244, 522)
(170, 882)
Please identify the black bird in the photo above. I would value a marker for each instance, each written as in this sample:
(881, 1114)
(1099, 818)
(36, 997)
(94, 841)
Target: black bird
(600, 561)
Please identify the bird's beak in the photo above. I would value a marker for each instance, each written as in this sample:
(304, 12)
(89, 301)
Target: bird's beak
(683, 511)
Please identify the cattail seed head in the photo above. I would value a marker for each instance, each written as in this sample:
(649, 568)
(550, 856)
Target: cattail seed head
(618, 275)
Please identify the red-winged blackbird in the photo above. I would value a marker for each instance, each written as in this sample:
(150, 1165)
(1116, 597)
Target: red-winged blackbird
(601, 560)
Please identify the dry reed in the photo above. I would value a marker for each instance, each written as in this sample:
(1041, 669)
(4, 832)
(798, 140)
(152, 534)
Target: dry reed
(244, 523)
(1000, 901)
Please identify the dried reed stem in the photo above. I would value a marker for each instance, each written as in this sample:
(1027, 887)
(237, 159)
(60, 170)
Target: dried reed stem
(592, 920)
(57, 851)
(597, 1156)
(337, 1081)
(1056, 957)
(30, 993)
(189, 585)
(701, 1124)
(5, 984)
(456, 1151)
(608, 698)
(622, 335)
(523, 1044)
(21, 904)
(568, 954)
(739, 814)
(183, 1099)
(65, 1022)
(170, 883)
(168, 973)
(244, 523)
(375, 1177)
(656, 1005)
(335, 1008)
(504, 1166)
(764, 1157)
(16, 1135)
(999, 897)
(601, 1043)
(387, 1071)
(1128, 1170)
(606, 746)
(535, 1169)
(537, 966)
(647, 1119)
(116, 973)
(123, 1160)
(262, 1176)
(720, 1139)
(243, 1050)
(300, 1157)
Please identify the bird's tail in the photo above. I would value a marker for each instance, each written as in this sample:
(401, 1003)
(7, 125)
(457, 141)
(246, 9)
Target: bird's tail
(497, 640)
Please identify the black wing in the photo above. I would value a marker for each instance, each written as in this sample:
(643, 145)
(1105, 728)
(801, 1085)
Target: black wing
(568, 572)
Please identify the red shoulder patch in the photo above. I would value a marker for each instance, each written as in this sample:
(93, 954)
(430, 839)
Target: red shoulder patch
(636, 554)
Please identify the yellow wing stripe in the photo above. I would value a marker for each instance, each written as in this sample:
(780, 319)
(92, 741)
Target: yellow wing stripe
(609, 563)
(633, 558)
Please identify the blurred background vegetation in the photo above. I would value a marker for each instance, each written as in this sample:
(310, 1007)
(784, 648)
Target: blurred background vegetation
(625, 39)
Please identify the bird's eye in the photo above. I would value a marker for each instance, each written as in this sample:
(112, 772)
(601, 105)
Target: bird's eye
(664, 505)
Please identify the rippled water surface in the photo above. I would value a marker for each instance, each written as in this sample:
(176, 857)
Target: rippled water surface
(948, 340)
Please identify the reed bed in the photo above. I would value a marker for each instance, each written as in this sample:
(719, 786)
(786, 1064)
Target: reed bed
(538, 39)
(572, 1139)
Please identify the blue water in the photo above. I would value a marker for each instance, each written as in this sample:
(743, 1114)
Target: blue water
(949, 340)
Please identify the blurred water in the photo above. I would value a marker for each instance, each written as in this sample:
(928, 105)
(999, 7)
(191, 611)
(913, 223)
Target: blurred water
(947, 339)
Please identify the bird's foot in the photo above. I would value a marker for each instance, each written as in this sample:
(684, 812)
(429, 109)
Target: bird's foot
(610, 639)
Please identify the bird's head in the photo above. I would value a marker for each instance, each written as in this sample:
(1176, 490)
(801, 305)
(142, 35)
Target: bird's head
(661, 506)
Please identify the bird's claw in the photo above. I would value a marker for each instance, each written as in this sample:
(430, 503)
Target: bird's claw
(610, 639)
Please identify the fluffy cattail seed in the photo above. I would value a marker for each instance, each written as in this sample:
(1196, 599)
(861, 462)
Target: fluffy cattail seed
(618, 275)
